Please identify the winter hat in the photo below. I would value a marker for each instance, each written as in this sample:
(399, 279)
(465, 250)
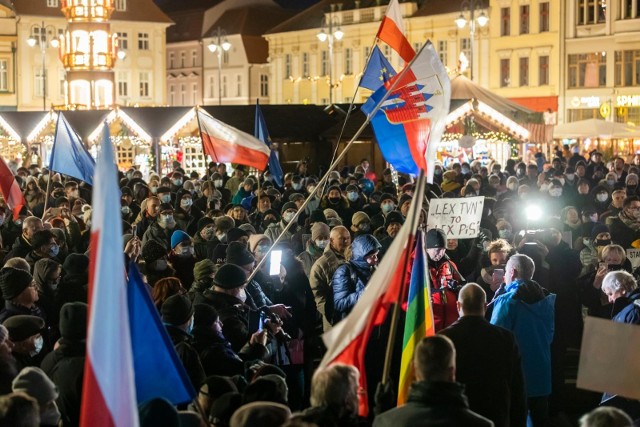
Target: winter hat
(177, 310)
(158, 412)
(248, 228)
(319, 229)
(203, 269)
(224, 407)
(237, 253)
(360, 217)
(34, 382)
(393, 217)
(265, 414)
(288, 205)
(235, 233)
(76, 264)
(204, 315)
(317, 216)
(73, 321)
(165, 207)
(178, 237)
(218, 385)
(330, 213)
(13, 281)
(254, 239)
(387, 196)
(204, 221)
(296, 196)
(23, 326)
(230, 276)
(224, 223)
(436, 239)
(267, 388)
(597, 229)
(403, 199)
(152, 251)
(219, 255)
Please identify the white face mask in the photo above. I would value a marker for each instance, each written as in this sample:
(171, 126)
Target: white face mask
(555, 192)
(165, 198)
(185, 203)
(39, 343)
(570, 176)
(512, 186)
(288, 216)
(296, 185)
(602, 197)
(321, 243)
(544, 187)
(217, 183)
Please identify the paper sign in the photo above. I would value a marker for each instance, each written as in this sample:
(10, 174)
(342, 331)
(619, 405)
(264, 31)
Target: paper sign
(458, 218)
(609, 358)
(634, 257)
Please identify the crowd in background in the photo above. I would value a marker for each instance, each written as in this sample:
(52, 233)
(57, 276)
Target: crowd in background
(508, 305)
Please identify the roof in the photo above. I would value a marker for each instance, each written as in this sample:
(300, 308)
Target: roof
(438, 7)
(170, 6)
(188, 26)
(84, 122)
(156, 120)
(23, 122)
(137, 10)
(251, 20)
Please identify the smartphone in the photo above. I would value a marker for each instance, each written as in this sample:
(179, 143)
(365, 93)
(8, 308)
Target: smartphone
(134, 230)
(274, 263)
(499, 272)
(260, 321)
(615, 267)
(602, 265)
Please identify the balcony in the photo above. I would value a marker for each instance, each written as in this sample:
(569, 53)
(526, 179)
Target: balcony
(86, 61)
(87, 10)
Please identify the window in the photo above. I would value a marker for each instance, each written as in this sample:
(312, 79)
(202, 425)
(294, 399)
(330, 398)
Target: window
(194, 93)
(172, 95)
(143, 41)
(287, 66)
(324, 63)
(630, 9)
(183, 94)
(183, 58)
(348, 61)
(387, 52)
(505, 72)
(4, 75)
(194, 58)
(224, 86)
(524, 19)
(172, 60)
(544, 17)
(543, 70)
(505, 21)
(123, 84)
(238, 85)
(627, 68)
(443, 51)
(121, 5)
(591, 11)
(264, 85)
(524, 71)
(225, 57)
(62, 82)
(38, 88)
(123, 40)
(367, 52)
(465, 47)
(587, 70)
(305, 64)
(144, 84)
(52, 3)
(212, 86)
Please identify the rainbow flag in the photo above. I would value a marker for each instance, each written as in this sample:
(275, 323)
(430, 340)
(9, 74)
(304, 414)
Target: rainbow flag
(419, 320)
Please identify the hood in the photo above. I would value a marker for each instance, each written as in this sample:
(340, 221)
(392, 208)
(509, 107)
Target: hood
(362, 246)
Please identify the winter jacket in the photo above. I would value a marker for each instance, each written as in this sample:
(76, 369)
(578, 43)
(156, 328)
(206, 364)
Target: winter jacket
(233, 313)
(188, 221)
(309, 257)
(159, 234)
(343, 209)
(20, 249)
(527, 310)
(320, 281)
(444, 296)
(621, 234)
(350, 279)
(183, 342)
(183, 267)
(631, 313)
(275, 229)
(434, 404)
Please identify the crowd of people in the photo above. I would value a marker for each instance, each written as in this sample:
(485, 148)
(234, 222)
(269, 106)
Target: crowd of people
(508, 305)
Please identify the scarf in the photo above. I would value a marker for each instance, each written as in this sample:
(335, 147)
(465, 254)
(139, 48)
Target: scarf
(632, 223)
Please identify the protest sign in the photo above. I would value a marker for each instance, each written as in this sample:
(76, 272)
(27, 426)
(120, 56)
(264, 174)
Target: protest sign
(633, 255)
(609, 358)
(458, 218)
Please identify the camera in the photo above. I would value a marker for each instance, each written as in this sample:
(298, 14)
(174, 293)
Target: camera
(274, 324)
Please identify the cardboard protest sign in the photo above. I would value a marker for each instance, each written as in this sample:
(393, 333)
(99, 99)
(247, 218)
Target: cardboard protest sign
(609, 358)
(458, 218)
(633, 255)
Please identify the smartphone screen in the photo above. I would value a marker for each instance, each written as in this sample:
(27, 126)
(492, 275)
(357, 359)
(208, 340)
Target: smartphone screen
(134, 230)
(499, 273)
(260, 322)
(275, 260)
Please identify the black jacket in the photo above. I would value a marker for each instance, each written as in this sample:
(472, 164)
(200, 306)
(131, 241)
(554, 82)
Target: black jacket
(433, 404)
(233, 314)
(20, 249)
(183, 342)
(488, 364)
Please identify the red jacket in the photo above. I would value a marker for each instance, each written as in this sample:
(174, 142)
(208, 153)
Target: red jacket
(443, 298)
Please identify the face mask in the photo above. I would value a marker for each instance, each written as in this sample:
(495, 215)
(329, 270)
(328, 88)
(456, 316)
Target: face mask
(311, 188)
(262, 249)
(585, 241)
(39, 342)
(159, 265)
(544, 187)
(387, 207)
(296, 185)
(602, 197)
(222, 236)
(185, 203)
(611, 182)
(125, 210)
(187, 252)
(603, 242)
(555, 192)
(51, 417)
(322, 243)
(513, 186)
(334, 200)
(45, 178)
(53, 252)
(504, 234)
(165, 198)
(571, 176)
(520, 172)
(154, 190)
(437, 172)
(465, 171)
(632, 186)
(287, 217)
(167, 222)
(129, 175)
(217, 183)
(177, 182)
(54, 285)
(365, 226)
(352, 196)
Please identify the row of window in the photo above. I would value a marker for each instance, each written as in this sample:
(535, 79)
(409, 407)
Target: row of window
(524, 19)
(524, 72)
(143, 41)
(179, 94)
(591, 12)
(120, 5)
(590, 69)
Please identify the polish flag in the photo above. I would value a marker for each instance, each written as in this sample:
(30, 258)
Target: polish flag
(9, 187)
(109, 393)
(391, 32)
(347, 341)
(226, 144)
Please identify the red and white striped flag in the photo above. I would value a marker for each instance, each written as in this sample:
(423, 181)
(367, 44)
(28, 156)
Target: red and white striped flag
(108, 394)
(9, 187)
(391, 32)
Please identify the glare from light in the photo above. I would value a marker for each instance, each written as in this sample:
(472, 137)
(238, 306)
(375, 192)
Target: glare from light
(55, 43)
(226, 45)
(338, 34)
(322, 36)
(212, 47)
(122, 54)
(461, 21)
(534, 212)
(483, 19)
(31, 41)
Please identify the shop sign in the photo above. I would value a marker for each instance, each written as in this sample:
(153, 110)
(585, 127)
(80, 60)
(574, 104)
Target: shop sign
(628, 100)
(586, 101)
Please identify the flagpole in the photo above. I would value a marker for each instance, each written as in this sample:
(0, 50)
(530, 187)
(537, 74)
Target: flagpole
(46, 196)
(53, 148)
(395, 316)
(324, 179)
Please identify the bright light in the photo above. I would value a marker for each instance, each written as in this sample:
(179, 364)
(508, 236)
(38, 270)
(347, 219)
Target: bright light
(461, 21)
(534, 212)
(31, 41)
(338, 34)
(212, 47)
(122, 54)
(226, 45)
(322, 36)
(55, 43)
(483, 19)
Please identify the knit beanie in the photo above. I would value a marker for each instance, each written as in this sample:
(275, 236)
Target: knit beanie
(158, 412)
(152, 251)
(203, 269)
(360, 217)
(319, 229)
(260, 414)
(76, 264)
(73, 321)
(287, 206)
(230, 276)
(393, 217)
(178, 237)
(219, 255)
(177, 310)
(248, 228)
(34, 382)
(236, 233)
(204, 221)
(255, 239)
(317, 216)
(237, 253)
(436, 239)
(13, 281)
(204, 315)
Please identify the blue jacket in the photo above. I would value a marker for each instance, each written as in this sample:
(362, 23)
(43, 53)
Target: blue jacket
(527, 310)
(631, 312)
(350, 279)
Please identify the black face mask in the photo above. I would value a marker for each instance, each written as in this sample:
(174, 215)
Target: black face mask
(334, 200)
(602, 242)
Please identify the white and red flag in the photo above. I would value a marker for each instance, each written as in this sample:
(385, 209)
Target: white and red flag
(391, 32)
(108, 394)
(226, 144)
(9, 187)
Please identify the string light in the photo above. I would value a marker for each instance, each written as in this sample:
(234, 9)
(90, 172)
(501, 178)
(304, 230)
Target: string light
(184, 120)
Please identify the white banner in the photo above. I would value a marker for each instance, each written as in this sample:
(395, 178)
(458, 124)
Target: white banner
(634, 257)
(458, 218)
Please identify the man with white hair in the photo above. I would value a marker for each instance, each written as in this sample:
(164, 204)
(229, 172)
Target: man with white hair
(527, 309)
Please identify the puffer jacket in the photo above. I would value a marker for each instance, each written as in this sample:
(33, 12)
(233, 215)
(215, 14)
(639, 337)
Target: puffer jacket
(320, 281)
(350, 279)
(631, 312)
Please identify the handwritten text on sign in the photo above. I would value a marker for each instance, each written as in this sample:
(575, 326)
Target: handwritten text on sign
(458, 218)
(633, 255)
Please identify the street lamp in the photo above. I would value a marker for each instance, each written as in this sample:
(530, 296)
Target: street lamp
(217, 48)
(43, 36)
(461, 22)
(328, 33)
